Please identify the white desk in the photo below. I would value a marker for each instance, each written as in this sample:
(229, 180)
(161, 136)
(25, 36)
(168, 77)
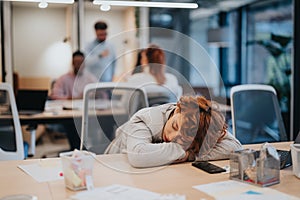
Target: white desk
(177, 178)
(56, 114)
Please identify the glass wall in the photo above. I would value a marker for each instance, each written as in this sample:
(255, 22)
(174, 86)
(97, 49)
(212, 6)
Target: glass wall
(259, 44)
(230, 54)
(259, 48)
(198, 32)
(269, 46)
(199, 27)
(269, 49)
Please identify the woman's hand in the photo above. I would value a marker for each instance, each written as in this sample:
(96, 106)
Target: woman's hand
(189, 157)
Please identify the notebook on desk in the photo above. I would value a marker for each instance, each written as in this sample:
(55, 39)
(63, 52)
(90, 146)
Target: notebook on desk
(284, 156)
(31, 102)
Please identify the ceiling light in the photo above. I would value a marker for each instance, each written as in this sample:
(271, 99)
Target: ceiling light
(43, 4)
(47, 1)
(105, 7)
(146, 4)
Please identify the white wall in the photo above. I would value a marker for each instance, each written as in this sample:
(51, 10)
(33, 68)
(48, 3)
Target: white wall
(38, 48)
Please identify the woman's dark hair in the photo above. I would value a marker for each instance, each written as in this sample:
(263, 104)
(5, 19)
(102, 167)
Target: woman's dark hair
(78, 53)
(100, 25)
(138, 68)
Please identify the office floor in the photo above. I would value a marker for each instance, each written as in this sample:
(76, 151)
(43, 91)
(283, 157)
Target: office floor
(50, 145)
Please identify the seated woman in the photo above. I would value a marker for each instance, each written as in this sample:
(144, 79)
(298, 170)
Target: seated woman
(153, 78)
(169, 133)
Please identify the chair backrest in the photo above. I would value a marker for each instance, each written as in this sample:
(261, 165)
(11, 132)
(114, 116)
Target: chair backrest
(159, 98)
(11, 139)
(256, 114)
(117, 102)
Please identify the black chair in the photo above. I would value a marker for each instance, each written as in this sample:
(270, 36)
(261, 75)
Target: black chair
(256, 115)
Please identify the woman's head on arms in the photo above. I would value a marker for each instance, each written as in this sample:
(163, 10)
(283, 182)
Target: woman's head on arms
(195, 123)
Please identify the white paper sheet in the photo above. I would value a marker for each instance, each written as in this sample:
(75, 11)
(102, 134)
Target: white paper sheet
(43, 172)
(235, 190)
(117, 192)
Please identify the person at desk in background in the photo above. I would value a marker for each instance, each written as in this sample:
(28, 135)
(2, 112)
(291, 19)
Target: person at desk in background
(71, 86)
(154, 79)
(192, 129)
(65, 87)
(101, 57)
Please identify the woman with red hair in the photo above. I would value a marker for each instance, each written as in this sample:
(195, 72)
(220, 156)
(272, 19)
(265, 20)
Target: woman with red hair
(154, 79)
(192, 129)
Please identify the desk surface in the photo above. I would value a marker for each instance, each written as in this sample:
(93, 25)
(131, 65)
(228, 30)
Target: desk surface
(114, 169)
(55, 112)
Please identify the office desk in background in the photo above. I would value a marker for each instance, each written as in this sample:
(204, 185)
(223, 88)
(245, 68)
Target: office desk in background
(57, 111)
(69, 114)
(113, 169)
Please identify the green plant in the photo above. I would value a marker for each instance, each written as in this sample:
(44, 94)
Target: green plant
(280, 68)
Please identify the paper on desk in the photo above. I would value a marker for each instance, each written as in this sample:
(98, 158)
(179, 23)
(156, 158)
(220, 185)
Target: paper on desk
(117, 192)
(234, 190)
(43, 172)
(99, 104)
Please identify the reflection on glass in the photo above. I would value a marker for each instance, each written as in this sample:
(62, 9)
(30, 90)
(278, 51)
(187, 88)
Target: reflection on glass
(269, 47)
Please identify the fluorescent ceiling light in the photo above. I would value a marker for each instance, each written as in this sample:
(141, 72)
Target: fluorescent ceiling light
(146, 4)
(47, 1)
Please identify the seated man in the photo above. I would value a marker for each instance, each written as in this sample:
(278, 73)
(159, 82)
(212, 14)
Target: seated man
(71, 85)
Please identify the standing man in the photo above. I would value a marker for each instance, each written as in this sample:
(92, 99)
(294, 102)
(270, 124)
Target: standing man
(100, 55)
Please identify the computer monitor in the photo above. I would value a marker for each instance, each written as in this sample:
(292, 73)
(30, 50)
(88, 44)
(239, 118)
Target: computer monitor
(31, 101)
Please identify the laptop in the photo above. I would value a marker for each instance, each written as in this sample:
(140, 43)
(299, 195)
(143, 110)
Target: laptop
(31, 102)
(285, 156)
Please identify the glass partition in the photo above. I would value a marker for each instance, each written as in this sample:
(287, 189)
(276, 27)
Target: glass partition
(7, 130)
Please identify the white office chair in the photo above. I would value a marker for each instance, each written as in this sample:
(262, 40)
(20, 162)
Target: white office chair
(256, 115)
(117, 102)
(11, 139)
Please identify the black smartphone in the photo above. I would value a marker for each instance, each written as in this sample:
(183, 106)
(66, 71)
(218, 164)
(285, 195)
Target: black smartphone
(208, 167)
